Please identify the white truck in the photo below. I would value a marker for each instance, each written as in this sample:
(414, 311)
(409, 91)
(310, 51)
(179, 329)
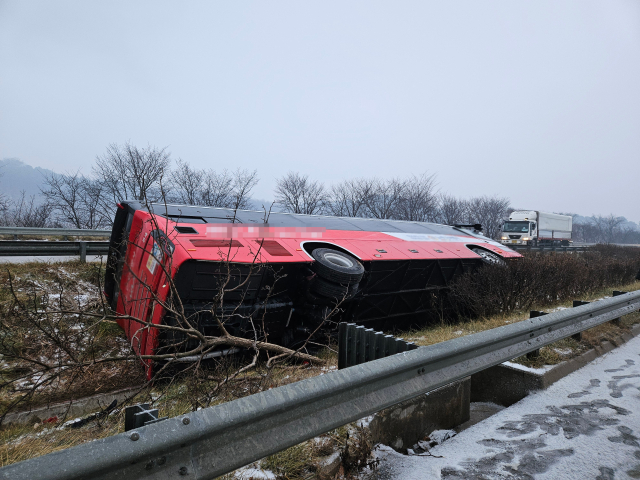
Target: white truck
(530, 227)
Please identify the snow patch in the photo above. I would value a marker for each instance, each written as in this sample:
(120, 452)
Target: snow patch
(538, 371)
(254, 474)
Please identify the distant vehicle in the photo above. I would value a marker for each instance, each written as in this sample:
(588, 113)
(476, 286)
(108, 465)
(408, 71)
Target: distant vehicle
(280, 276)
(530, 227)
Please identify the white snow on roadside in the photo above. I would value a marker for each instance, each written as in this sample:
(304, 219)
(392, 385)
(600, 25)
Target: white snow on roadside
(439, 436)
(254, 474)
(523, 368)
(586, 425)
(563, 351)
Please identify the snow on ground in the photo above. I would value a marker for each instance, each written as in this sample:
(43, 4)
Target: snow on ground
(587, 425)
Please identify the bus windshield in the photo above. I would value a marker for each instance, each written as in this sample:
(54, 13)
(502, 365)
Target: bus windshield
(519, 227)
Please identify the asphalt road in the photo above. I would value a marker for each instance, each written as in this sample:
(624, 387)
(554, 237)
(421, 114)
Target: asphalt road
(586, 426)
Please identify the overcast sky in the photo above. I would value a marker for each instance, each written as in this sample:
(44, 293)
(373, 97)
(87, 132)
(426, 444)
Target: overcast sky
(538, 101)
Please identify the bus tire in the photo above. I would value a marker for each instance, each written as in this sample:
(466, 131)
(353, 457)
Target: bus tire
(336, 266)
(488, 257)
(323, 288)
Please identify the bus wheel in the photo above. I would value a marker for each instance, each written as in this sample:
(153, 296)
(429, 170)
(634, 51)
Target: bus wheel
(332, 290)
(489, 257)
(336, 266)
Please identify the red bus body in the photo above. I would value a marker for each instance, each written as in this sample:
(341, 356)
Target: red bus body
(405, 263)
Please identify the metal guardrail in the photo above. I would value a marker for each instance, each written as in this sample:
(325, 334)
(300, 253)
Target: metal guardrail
(548, 248)
(10, 248)
(65, 232)
(15, 247)
(219, 439)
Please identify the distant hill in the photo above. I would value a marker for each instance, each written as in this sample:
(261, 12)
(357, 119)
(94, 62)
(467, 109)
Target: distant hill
(16, 176)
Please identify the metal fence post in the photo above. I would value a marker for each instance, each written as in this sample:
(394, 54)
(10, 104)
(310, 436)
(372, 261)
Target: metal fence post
(379, 345)
(352, 358)
(342, 344)
(83, 251)
(361, 344)
(401, 345)
(536, 352)
(578, 336)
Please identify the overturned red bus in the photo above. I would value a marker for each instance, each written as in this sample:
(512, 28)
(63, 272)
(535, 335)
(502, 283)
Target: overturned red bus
(278, 274)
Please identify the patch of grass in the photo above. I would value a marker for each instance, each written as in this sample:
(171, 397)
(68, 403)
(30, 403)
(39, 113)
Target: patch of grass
(549, 355)
(27, 441)
(292, 463)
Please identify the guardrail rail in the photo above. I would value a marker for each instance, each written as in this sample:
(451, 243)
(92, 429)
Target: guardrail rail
(15, 247)
(216, 440)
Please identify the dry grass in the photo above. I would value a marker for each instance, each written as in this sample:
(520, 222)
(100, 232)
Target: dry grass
(26, 332)
(19, 443)
(551, 354)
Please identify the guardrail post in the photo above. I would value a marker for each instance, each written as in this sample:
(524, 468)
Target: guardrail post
(352, 343)
(342, 344)
(15, 237)
(136, 416)
(391, 348)
(83, 251)
(536, 352)
(357, 344)
(371, 345)
(578, 336)
(361, 344)
(379, 345)
(616, 321)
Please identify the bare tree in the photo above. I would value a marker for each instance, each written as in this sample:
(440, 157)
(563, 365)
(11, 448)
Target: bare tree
(419, 202)
(207, 187)
(628, 235)
(490, 212)
(384, 198)
(243, 183)
(76, 200)
(297, 194)
(608, 226)
(217, 189)
(451, 210)
(4, 201)
(349, 198)
(187, 184)
(129, 172)
(25, 212)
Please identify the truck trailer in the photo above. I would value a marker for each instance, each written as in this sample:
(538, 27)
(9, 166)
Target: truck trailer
(531, 227)
(279, 274)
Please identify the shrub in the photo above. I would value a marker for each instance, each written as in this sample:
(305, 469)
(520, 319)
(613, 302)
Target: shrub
(543, 279)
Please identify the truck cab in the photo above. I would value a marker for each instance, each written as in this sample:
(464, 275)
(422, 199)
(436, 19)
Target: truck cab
(520, 229)
(531, 227)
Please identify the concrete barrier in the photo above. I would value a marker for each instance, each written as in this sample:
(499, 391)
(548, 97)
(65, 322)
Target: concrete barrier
(402, 425)
(508, 384)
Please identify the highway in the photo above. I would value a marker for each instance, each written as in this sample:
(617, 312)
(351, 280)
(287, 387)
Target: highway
(586, 425)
